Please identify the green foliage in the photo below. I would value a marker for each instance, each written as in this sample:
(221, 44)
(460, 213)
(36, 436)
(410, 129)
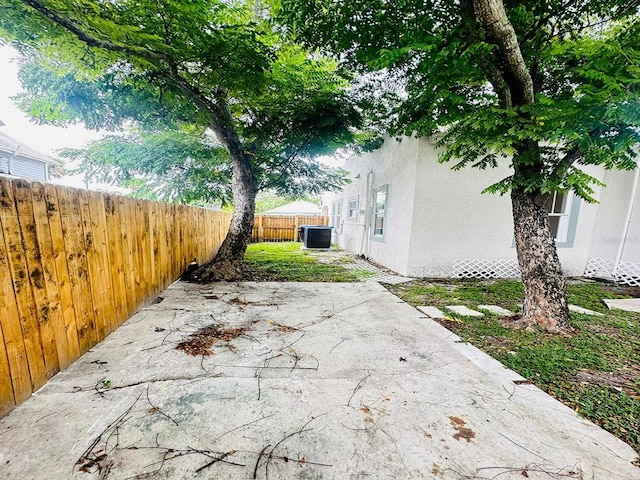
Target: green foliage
(173, 70)
(594, 370)
(432, 68)
(181, 166)
(287, 262)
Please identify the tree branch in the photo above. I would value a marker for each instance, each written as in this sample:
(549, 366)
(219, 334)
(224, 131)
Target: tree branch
(492, 18)
(220, 117)
(89, 39)
(491, 71)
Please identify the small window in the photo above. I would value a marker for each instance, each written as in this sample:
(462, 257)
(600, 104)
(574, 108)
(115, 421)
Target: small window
(353, 207)
(379, 208)
(563, 212)
(559, 211)
(336, 213)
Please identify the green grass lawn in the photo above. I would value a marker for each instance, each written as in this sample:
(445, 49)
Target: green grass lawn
(595, 370)
(288, 262)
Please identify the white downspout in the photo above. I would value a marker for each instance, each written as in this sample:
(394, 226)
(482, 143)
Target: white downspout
(367, 216)
(627, 222)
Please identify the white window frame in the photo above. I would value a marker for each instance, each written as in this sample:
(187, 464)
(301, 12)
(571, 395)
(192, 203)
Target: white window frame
(567, 215)
(563, 213)
(379, 233)
(353, 205)
(336, 213)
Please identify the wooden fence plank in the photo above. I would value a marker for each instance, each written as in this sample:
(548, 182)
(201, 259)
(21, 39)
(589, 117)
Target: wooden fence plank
(24, 205)
(51, 311)
(116, 258)
(132, 228)
(73, 232)
(7, 400)
(99, 263)
(162, 245)
(126, 232)
(20, 378)
(152, 208)
(27, 311)
(63, 281)
(143, 246)
(93, 267)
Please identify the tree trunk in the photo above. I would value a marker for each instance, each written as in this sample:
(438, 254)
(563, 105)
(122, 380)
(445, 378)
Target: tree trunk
(545, 302)
(545, 291)
(227, 264)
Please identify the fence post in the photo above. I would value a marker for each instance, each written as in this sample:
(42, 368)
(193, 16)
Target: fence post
(260, 229)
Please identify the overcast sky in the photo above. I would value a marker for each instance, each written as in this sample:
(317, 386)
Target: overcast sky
(45, 139)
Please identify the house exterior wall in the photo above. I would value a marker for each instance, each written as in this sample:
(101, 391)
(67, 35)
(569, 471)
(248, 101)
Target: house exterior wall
(437, 219)
(615, 252)
(394, 165)
(611, 217)
(26, 168)
(453, 220)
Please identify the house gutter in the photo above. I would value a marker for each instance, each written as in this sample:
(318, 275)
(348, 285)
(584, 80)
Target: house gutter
(364, 241)
(627, 222)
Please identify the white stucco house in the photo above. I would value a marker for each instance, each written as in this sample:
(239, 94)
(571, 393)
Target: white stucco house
(17, 160)
(413, 215)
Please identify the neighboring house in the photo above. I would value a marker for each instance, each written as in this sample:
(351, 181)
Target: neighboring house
(299, 207)
(20, 161)
(416, 216)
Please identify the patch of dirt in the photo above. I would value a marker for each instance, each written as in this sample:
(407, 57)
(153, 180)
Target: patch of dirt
(498, 342)
(510, 321)
(200, 342)
(626, 379)
(607, 330)
(450, 324)
(626, 290)
(237, 301)
(461, 431)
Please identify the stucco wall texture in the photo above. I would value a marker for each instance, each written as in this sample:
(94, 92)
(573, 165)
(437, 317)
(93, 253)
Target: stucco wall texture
(435, 216)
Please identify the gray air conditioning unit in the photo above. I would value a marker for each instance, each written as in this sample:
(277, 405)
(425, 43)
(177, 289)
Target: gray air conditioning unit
(314, 236)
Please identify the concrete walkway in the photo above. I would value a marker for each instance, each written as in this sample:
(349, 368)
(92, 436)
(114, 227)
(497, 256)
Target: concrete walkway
(305, 381)
(627, 304)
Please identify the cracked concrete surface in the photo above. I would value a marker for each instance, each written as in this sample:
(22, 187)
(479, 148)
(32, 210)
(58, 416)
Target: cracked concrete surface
(328, 381)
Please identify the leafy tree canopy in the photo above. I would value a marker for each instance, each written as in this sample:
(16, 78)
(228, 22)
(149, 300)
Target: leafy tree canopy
(436, 68)
(189, 166)
(165, 67)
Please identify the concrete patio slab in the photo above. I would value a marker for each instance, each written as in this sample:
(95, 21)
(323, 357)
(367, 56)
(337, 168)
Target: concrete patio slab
(432, 312)
(628, 304)
(306, 381)
(497, 310)
(583, 311)
(464, 311)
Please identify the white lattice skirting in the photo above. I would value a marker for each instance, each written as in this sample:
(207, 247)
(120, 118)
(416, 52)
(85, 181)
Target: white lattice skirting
(480, 268)
(628, 272)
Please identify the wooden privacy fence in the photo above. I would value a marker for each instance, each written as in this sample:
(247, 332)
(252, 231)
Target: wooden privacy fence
(75, 264)
(281, 228)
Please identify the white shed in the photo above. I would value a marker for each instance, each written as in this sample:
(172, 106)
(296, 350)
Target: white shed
(299, 207)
